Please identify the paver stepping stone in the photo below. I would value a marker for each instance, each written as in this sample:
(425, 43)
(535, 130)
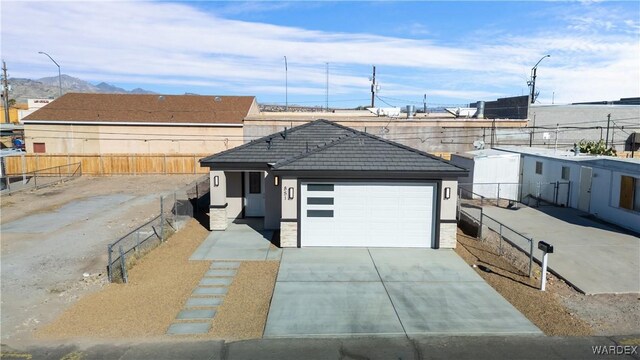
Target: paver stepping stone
(216, 281)
(221, 272)
(210, 291)
(196, 314)
(203, 302)
(225, 265)
(189, 328)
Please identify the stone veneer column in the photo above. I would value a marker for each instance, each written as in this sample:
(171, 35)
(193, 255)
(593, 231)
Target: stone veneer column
(289, 234)
(448, 233)
(289, 221)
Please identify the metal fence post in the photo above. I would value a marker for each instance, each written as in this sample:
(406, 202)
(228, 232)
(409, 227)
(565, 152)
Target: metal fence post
(123, 265)
(109, 263)
(480, 230)
(500, 238)
(498, 197)
(530, 256)
(137, 242)
(161, 218)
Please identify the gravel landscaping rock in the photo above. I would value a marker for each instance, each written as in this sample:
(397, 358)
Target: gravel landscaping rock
(159, 285)
(243, 313)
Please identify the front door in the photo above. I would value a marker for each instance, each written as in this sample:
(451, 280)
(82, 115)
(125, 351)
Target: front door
(584, 197)
(254, 194)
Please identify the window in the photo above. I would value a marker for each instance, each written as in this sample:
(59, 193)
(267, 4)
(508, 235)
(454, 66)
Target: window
(539, 167)
(255, 183)
(319, 201)
(320, 187)
(39, 148)
(566, 173)
(319, 213)
(630, 193)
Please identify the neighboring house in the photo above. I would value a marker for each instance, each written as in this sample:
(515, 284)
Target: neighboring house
(324, 184)
(607, 187)
(138, 124)
(492, 174)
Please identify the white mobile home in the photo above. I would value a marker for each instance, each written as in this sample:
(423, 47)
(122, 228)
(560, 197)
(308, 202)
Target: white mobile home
(492, 174)
(607, 187)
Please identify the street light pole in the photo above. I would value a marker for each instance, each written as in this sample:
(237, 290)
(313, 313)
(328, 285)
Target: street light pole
(532, 83)
(59, 74)
(286, 85)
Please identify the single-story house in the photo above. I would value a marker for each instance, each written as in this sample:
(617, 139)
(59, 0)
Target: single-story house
(604, 186)
(138, 124)
(492, 174)
(324, 184)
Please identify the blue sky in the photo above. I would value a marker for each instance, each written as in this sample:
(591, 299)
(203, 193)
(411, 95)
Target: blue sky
(455, 52)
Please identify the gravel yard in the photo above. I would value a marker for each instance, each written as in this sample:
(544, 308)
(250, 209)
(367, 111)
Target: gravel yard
(560, 310)
(243, 313)
(53, 248)
(159, 284)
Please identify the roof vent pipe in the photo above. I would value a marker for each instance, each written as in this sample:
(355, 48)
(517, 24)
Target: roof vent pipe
(285, 133)
(411, 109)
(480, 110)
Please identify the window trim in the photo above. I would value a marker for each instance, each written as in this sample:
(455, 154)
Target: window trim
(541, 167)
(568, 168)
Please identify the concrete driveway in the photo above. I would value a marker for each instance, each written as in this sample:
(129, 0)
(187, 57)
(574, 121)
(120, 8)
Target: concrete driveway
(594, 257)
(359, 291)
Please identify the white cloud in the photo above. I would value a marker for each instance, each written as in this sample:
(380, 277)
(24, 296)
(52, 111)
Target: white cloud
(175, 44)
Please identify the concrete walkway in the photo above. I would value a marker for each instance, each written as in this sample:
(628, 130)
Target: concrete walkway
(200, 308)
(243, 240)
(359, 291)
(592, 256)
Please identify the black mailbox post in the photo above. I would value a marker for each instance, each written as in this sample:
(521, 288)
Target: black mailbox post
(546, 247)
(546, 250)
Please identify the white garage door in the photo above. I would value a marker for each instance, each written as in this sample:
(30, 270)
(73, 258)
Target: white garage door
(371, 214)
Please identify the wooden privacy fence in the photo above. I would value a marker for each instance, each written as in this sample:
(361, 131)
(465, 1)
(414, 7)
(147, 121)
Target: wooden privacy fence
(111, 164)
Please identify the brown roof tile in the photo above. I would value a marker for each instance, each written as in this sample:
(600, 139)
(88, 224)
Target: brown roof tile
(145, 108)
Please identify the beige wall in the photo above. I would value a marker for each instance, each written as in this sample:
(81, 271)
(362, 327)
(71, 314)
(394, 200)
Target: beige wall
(289, 206)
(118, 139)
(272, 203)
(448, 206)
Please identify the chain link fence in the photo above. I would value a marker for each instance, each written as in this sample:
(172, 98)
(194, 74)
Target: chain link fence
(529, 193)
(40, 178)
(174, 210)
(505, 241)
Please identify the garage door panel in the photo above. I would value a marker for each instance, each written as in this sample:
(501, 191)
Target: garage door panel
(391, 214)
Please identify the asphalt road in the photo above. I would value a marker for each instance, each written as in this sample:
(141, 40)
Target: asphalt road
(432, 347)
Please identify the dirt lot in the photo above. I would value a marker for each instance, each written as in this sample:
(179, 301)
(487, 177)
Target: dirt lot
(558, 311)
(159, 285)
(53, 237)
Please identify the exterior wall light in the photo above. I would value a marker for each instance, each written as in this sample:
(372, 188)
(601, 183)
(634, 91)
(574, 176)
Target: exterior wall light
(447, 193)
(216, 181)
(290, 193)
(276, 180)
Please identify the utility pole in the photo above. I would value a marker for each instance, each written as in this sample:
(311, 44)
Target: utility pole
(327, 99)
(5, 91)
(533, 131)
(286, 85)
(606, 142)
(373, 87)
(424, 103)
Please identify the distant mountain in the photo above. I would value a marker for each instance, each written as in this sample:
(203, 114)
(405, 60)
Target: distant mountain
(48, 87)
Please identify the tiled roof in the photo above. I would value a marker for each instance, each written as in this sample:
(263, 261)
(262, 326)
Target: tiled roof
(144, 108)
(280, 146)
(325, 146)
